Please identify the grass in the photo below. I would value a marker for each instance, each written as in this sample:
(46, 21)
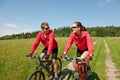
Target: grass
(15, 66)
(98, 62)
(13, 63)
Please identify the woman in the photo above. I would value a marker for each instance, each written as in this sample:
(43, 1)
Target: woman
(82, 39)
(46, 36)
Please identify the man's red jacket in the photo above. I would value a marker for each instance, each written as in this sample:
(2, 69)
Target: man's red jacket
(47, 41)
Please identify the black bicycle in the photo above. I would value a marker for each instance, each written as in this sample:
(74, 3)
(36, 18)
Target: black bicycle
(38, 74)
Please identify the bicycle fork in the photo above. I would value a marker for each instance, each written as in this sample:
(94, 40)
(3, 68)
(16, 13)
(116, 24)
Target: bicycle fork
(80, 68)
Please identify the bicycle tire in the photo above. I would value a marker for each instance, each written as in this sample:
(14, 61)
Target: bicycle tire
(59, 63)
(76, 79)
(36, 75)
(51, 66)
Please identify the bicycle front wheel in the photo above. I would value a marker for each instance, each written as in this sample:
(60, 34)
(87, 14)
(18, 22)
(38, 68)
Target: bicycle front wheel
(76, 76)
(37, 75)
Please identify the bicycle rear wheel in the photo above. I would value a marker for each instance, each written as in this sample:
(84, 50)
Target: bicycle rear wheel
(37, 75)
(59, 63)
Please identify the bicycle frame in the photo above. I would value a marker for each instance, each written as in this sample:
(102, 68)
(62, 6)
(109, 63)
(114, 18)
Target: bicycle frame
(46, 64)
(80, 67)
(40, 65)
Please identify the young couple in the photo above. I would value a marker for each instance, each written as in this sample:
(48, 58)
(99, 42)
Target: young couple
(80, 36)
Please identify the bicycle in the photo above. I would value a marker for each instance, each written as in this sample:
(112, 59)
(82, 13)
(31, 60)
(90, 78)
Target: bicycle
(38, 74)
(81, 72)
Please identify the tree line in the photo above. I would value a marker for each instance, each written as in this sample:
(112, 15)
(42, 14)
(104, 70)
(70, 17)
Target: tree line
(107, 31)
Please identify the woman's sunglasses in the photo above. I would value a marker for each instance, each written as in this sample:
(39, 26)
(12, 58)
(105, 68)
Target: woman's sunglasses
(73, 27)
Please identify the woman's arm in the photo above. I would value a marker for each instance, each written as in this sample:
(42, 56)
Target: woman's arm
(69, 43)
(90, 44)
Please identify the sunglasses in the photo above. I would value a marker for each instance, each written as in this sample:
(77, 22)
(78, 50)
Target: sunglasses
(45, 28)
(73, 27)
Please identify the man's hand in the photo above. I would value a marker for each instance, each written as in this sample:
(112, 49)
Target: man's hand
(29, 55)
(64, 56)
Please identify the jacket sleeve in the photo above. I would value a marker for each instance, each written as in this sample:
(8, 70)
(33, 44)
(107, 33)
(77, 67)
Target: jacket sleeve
(35, 44)
(90, 44)
(69, 43)
(50, 44)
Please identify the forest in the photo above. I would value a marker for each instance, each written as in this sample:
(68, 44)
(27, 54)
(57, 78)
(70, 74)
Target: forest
(107, 31)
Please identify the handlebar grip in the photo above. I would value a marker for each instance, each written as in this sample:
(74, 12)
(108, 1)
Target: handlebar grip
(62, 57)
(88, 58)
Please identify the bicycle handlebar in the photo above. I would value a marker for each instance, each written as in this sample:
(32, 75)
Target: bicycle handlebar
(78, 59)
(40, 59)
(35, 57)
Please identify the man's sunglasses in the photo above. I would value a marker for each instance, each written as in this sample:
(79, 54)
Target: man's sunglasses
(45, 28)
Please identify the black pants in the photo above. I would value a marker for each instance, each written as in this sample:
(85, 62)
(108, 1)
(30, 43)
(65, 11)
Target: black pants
(54, 52)
(80, 52)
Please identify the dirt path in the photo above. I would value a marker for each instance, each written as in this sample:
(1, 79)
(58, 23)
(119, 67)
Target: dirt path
(111, 68)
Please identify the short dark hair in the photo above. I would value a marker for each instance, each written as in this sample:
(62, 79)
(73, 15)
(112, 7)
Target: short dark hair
(43, 24)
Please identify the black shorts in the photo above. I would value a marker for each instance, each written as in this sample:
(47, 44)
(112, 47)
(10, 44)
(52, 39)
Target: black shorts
(80, 52)
(54, 52)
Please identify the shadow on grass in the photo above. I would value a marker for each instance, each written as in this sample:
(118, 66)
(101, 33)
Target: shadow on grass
(66, 74)
(93, 76)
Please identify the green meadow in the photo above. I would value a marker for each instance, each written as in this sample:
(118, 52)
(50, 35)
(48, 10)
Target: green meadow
(15, 66)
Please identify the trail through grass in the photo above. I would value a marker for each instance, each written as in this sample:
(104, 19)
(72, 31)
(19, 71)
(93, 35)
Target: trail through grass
(113, 44)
